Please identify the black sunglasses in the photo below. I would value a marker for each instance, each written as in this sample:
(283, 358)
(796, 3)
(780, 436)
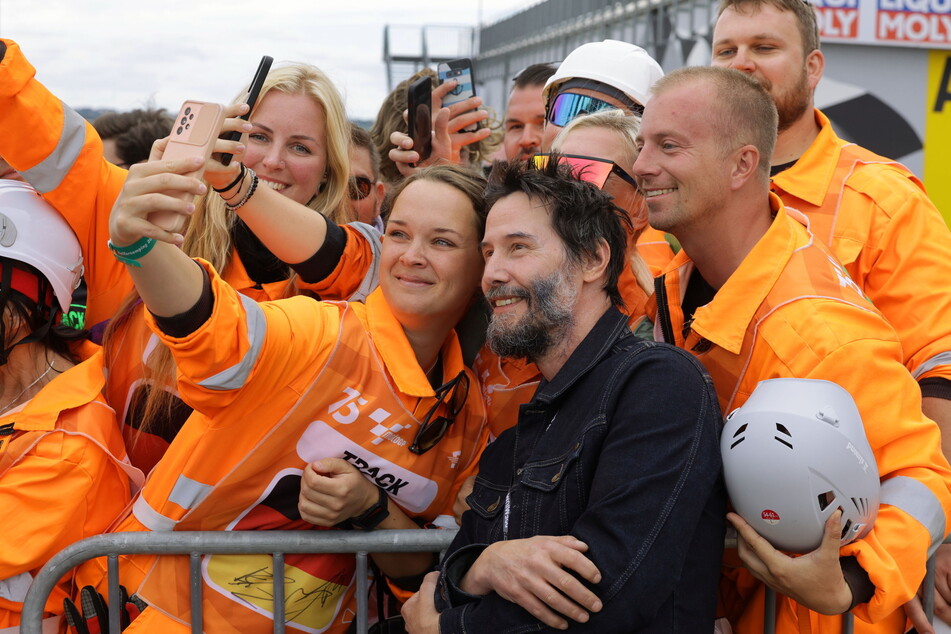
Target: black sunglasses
(431, 430)
(360, 187)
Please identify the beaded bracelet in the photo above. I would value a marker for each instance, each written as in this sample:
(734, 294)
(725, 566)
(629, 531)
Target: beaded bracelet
(129, 254)
(247, 196)
(237, 180)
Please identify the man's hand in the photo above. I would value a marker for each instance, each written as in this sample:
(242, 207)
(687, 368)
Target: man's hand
(333, 490)
(942, 594)
(814, 580)
(536, 574)
(419, 611)
(449, 139)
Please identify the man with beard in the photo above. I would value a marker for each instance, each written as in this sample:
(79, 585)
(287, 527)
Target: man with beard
(872, 211)
(602, 508)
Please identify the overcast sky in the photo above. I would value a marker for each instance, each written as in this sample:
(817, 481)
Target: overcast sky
(122, 53)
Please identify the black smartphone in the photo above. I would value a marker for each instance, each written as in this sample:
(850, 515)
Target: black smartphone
(253, 91)
(419, 102)
(461, 71)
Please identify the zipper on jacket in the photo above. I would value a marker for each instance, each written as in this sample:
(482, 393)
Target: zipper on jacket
(6, 430)
(663, 312)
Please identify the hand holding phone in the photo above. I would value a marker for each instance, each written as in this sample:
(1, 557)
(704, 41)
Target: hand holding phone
(194, 133)
(461, 71)
(253, 91)
(419, 116)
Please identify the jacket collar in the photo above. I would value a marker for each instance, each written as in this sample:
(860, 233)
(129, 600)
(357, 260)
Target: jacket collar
(75, 387)
(594, 347)
(725, 319)
(398, 355)
(810, 178)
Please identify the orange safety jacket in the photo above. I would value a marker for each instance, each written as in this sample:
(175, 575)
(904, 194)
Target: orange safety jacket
(275, 386)
(128, 356)
(60, 154)
(878, 220)
(791, 310)
(64, 476)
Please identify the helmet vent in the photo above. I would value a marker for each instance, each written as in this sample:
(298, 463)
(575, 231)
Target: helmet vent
(741, 429)
(783, 441)
(825, 499)
(782, 430)
(861, 505)
(846, 528)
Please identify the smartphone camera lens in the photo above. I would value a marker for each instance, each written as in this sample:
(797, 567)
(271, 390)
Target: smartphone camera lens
(188, 110)
(184, 120)
(190, 117)
(180, 129)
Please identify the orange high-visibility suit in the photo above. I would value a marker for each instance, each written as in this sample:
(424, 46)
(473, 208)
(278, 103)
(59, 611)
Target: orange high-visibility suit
(64, 476)
(275, 386)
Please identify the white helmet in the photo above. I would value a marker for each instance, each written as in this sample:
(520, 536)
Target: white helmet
(31, 231)
(794, 453)
(621, 65)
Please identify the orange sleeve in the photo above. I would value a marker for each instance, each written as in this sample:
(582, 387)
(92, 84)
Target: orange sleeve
(61, 155)
(916, 477)
(905, 268)
(248, 351)
(357, 272)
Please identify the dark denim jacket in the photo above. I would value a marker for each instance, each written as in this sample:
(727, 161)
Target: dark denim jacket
(621, 450)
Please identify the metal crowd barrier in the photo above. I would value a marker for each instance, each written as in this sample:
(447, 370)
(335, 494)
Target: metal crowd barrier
(278, 544)
(195, 544)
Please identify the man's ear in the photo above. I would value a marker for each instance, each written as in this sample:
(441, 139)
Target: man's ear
(744, 166)
(595, 265)
(815, 66)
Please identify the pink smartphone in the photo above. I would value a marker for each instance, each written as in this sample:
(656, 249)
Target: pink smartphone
(194, 133)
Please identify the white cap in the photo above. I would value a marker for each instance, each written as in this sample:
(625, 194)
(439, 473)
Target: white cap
(621, 65)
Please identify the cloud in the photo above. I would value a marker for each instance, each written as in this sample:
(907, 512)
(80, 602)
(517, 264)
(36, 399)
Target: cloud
(119, 54)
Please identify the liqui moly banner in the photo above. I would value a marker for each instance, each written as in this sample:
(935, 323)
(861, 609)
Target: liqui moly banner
(924, 23)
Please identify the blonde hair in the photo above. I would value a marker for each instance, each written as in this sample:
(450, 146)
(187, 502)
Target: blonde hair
(626, 126)
(208, 235)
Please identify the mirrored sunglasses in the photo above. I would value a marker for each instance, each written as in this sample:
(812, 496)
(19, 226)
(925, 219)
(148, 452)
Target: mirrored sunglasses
(569, 105)
(360, 187)
(589, 168)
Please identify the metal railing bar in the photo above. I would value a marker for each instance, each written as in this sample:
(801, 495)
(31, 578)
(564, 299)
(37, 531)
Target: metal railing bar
(277, 570)
(194, 571)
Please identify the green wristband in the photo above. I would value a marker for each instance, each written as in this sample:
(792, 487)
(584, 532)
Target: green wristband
(129, 254)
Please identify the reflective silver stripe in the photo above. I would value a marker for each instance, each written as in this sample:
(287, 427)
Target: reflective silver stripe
(150, 518)
(235, 376)
(14, 588)
(917, 500)
(939, 359)
(187, 492)
(372, 279)
(47, 175)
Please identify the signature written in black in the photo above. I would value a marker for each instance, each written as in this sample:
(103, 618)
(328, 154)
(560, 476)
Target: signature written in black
(257, 586)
